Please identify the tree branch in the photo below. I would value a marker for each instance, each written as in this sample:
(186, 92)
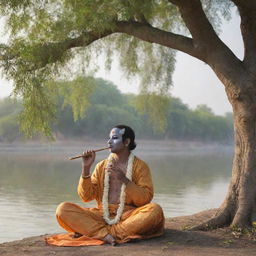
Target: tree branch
(52, 52)
(140, 30)
(247, 10)
(221, 59)
(198, 24)
(154, 35)
(84, 40)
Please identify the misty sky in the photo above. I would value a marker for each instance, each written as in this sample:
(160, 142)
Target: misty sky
(194, 82)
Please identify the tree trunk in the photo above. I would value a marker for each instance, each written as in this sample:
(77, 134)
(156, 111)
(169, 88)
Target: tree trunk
(239, 207)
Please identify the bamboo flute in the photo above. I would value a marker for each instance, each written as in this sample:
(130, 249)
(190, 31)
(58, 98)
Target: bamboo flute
(96, 150)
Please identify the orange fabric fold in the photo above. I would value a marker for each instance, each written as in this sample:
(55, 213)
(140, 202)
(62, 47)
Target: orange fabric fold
(67, 239)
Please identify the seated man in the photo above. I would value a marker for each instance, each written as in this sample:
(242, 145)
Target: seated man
(123, 189)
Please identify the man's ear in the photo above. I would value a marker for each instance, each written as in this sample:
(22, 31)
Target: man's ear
(127, 142)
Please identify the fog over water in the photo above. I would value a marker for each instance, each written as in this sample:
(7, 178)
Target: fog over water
(35, 178)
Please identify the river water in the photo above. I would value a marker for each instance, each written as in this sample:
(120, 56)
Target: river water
(33, 182)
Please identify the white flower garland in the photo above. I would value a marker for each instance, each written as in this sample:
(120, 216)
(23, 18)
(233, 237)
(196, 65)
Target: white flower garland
(122, 193)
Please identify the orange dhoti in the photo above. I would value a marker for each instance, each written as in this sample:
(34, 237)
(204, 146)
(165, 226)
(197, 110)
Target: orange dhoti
(143, 222)
(140, 218)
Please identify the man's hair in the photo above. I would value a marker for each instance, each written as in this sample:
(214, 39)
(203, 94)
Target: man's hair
(128, 134)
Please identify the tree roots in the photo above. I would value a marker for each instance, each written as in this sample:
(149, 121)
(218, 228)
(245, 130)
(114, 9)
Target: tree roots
(220, 219)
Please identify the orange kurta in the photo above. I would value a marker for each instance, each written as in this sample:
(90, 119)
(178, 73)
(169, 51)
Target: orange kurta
(140, 219)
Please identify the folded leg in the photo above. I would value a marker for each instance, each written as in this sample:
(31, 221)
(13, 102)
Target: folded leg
(86, 221)
(144, 222)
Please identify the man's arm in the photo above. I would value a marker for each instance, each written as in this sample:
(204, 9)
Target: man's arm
(88, 186)
(140, 190)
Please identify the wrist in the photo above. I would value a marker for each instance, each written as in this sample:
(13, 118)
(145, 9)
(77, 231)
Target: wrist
(86, 177)
(85, 171)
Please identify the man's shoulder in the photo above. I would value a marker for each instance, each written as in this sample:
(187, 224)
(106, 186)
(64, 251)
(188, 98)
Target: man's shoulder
(140, 162)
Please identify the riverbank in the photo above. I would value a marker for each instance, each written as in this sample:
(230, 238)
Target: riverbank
(144, 147)
(175, 242)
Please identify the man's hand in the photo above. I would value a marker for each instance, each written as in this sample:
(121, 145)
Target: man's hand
(118, 173)
(88, 159)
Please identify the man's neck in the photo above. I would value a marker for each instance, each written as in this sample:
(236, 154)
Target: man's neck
(122, 157)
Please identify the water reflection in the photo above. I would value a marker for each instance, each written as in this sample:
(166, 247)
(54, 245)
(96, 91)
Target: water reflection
(31, 186)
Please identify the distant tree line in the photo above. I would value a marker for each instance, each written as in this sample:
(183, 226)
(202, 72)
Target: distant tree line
(107, 106)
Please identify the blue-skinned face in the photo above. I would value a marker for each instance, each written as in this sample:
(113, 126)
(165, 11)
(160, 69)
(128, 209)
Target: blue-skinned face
(115, 141)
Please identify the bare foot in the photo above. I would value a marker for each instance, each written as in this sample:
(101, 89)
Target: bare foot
(77, 235)
(109, 239)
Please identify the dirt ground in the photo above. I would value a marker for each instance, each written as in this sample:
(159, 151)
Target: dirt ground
(176, 241)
